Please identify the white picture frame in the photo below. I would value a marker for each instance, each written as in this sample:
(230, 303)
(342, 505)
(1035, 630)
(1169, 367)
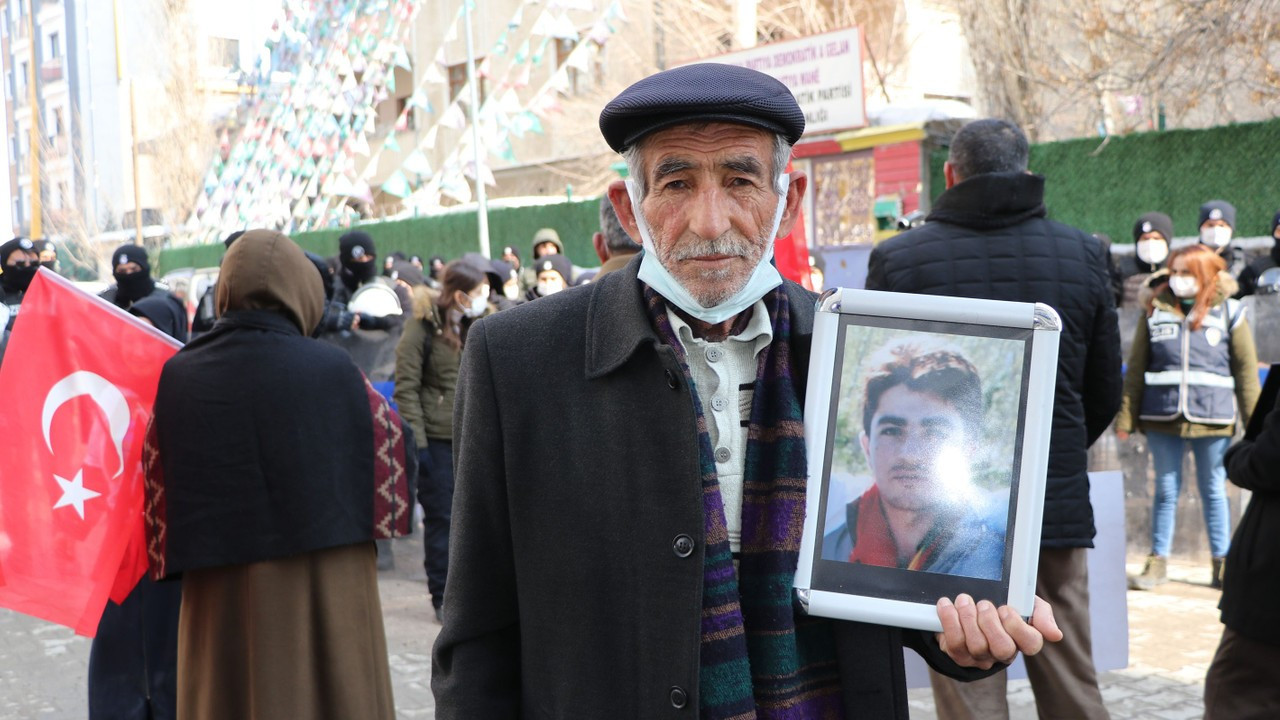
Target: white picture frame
(927, 425)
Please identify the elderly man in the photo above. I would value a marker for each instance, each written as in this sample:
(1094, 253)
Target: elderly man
(922, 421)
(988, 237)
(623, 547)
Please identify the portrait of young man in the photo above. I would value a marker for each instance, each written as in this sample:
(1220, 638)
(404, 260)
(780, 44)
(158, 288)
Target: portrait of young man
(921, 416)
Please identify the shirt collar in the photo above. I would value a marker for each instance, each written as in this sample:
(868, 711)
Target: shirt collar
(758, 332)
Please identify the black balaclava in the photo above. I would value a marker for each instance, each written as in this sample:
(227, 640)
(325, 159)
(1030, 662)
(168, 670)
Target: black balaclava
(133, 286)
(17, 279)
(41, 246)
(353, 245)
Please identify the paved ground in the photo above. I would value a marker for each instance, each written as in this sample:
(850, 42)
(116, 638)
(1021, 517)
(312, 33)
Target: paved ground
(1173, 633)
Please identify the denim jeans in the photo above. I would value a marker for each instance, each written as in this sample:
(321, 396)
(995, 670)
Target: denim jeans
(1166, 455)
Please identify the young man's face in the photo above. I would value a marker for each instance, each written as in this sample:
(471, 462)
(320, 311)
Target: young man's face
(915, 446)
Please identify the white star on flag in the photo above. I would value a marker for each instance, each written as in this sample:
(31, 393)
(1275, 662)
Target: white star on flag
(74, 493)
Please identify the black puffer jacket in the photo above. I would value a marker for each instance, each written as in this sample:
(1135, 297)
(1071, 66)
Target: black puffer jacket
(988, 237)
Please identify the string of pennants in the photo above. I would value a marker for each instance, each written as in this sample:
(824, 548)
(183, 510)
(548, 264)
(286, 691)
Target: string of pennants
(311, 144)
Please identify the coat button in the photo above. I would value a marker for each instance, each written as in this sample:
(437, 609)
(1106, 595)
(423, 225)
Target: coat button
(679, 698)
(682, 545)
(719, 403)
(722, 454)
(671, 381)
(714, 354)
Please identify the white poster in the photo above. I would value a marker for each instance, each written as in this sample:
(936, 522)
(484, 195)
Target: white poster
(824, 72)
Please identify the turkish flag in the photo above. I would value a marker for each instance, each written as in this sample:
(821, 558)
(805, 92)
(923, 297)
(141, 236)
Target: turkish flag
(791, 253)
(80, 377)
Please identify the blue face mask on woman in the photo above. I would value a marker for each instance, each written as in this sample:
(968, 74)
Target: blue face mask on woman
(763, 278)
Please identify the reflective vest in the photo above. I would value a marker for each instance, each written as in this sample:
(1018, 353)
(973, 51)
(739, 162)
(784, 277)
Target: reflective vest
(1189, 371)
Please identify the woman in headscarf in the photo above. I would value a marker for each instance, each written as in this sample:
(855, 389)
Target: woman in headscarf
(272, 466)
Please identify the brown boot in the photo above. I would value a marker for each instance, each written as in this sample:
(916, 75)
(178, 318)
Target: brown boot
(1219, 566)
(1152, 575)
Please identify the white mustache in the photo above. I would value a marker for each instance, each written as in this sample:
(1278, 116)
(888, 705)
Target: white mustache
(730, 243)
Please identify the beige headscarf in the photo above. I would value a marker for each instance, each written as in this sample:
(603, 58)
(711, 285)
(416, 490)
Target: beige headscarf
(265, 270)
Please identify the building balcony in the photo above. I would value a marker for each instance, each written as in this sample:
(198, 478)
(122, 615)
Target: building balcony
(51, 70)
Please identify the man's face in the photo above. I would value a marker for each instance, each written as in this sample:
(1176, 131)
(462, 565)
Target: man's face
(916, 444)
(710, 205)
(128, 268)
(545, 248)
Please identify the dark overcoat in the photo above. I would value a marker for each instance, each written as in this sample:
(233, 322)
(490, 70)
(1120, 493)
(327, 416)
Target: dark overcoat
(576, 458)
(1252, 578)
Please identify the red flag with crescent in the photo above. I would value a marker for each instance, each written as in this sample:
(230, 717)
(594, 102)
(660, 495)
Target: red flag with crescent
(80, 376)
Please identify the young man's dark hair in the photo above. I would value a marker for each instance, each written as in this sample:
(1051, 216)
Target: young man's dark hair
(988, 146)
(938, 371)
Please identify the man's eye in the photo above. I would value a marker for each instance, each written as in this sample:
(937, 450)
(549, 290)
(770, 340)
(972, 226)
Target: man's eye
(675, 185)
(742, 182)
(890, 431)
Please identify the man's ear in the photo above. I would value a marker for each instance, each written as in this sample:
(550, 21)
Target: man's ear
(866, 446)
(622, 207)
(795, 200)
(949, 174)
(602, 250)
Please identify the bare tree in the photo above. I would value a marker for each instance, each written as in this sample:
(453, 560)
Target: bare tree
(1068, 67)
(181, 151)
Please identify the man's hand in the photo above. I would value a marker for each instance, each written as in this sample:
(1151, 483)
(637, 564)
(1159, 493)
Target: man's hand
(980, 635)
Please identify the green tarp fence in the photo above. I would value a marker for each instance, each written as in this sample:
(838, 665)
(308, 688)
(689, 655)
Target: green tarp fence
(448, 235)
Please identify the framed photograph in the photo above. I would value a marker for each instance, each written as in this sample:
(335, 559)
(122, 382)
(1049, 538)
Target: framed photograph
(927, 424)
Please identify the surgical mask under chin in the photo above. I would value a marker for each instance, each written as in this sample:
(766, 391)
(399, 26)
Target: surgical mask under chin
(1217, 236)
(1184, 286)
(763, 278)
(1152, 252)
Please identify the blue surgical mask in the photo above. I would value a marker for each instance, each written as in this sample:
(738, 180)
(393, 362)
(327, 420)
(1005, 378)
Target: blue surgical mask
(763, 278)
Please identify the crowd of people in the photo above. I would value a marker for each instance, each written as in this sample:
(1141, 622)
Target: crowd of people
(611, 476)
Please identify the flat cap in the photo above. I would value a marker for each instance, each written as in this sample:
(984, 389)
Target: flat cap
(704, 92)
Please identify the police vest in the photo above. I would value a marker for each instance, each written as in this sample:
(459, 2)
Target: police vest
(1189, 371)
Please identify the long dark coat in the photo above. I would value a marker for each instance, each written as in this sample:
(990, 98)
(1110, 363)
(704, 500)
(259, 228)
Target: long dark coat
(1252, 577)
(577, 470)
(988, 237)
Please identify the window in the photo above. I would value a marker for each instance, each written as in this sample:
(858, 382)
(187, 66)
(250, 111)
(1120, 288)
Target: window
(458, 81)
(564, 47)
(224, 52)
(55, 46)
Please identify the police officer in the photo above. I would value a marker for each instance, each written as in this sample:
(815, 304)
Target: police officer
(132, 272)
(20, 262)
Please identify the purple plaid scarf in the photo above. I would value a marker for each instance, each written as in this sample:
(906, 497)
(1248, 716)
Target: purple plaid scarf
(760, 658)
